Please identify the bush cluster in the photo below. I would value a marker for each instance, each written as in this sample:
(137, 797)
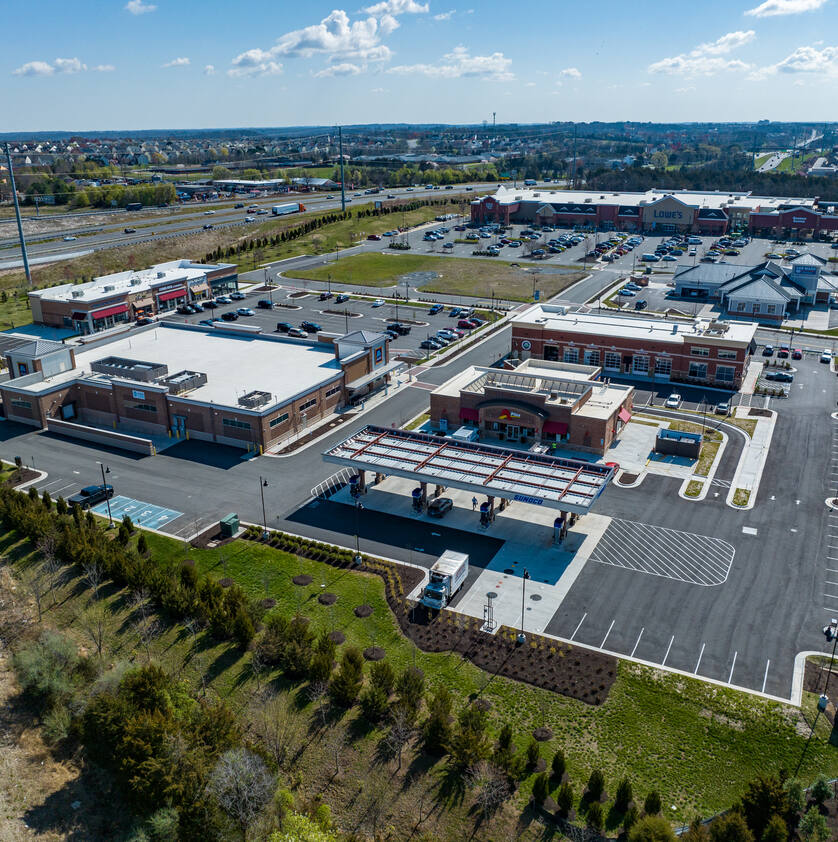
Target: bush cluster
(180, 591)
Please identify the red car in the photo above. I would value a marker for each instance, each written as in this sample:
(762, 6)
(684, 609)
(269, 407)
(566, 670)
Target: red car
(797, 354)
(465, 324)
(374, 237)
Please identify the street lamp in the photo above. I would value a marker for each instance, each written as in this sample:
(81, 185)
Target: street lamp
(522, 638)
(263, 484)
(358, 506)
(831, 634)
(105, 489)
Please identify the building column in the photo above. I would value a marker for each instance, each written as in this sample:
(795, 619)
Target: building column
(424, 498)
(362, 481)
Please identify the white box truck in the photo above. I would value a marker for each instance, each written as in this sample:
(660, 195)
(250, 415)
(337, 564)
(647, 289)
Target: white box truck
(289, 207)
(447, 575)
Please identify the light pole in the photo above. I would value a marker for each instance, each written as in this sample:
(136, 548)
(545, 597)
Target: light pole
(263, 484)
(105, 489)
(358, 506)
(831, 634)
(522, 638)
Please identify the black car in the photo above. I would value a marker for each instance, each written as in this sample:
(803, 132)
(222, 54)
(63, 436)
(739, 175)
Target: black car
(265, 304)
(341, 298)
(144, 320)
(310, 327)
(283, 327)
(210, 303)
(90, 495)
(230, 316)
(640, 305)
(439, 506)
(238, 205)
(401, 329)
(325, 296)
(129, 230)
(782, 376)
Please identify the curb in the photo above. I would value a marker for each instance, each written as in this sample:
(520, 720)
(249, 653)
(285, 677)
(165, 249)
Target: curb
(755, 488)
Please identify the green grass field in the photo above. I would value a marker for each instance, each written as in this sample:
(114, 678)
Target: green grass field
(697, 743)
(454, 275)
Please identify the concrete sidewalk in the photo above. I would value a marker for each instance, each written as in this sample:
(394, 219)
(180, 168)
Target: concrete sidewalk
(752, 461)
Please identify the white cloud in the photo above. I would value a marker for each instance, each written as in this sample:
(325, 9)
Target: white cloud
(209, 70)
(685, 90)
(34, 68)
(806, 59)
(137, 7)
(706, 59)
(529, 84)
(178, 62)
(343, 69)
(69, 65)
(103, 68)
(397, 7)
(334, 35)
(459, 63)
(770, 8)
(571, 73)
(255, 62)
(445, 15)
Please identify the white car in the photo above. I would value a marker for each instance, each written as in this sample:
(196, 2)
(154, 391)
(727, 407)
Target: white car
(248, 219)
(673, 401)
(208, 213)
(245, 311)
(826, 356)
(69, 239)
(379, 302)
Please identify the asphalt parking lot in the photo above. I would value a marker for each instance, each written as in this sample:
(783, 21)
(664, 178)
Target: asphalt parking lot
(355, 314)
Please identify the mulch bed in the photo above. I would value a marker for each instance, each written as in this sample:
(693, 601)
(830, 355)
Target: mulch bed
(374, 653)
(363, 611)
(226, 582)
(627, 479)
(764, 413)
(483, 704)
(298, 294)
(543, 734)
(814, 681)
(302, 579)
(21, 475)
(342, 313)
(327, 598)
(541, 765)
(316, 432)
(337, 637)
(268, 603)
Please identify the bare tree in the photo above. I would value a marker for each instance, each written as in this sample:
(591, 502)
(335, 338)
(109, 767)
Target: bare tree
(46, 548)
(318, 692)
(93, 622)
(275, 725)
(38, 586)
(491, 784)
(257, 667)
(148, 631)
(242, 786)
(400, 733)
(92, 573)
(336, 746)
(378, 798)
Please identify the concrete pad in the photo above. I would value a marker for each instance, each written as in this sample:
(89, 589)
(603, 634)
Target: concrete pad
(631, 450)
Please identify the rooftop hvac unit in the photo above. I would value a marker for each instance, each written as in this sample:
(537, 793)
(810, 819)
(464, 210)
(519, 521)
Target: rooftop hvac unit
(136, 282)
(77, 293)
(161, 274)
(254, 399)
(108, 288)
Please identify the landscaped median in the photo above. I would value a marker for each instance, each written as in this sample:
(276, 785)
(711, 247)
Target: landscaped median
(695, 743)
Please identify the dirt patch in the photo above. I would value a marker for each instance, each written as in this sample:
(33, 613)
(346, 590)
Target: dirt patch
(763, 413)
(20, 476)
(627, 479)
(363, 611)
(327, 598)
(374, 653)
(302, 579)
(483, 704)
(343, 313)
(337, 637)
(543, 734)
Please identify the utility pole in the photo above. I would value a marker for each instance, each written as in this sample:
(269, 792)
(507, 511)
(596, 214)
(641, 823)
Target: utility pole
(342, 185)
(573, 176)
(262, 485)
(17, 216)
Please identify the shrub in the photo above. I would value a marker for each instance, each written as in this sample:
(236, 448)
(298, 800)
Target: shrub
(346, 683)
(775, 831)
(764, 798)
(469, 743)
(374, 704)
(595, 818)
(533, 755)
(46, 500)
(813, 827)
(731, 827)
(596, 785)
(622, 797)
(382, 677)
(540, 788)
(630, 818)
(61, 506)
(651, 829)
(558, 764)
(162, 825)
(128, 523)
(142, 545)
(56, 724)
(652, 804)
(821, 790)
(320, 667)
(564, 798)
(46, 669)
(436, 732)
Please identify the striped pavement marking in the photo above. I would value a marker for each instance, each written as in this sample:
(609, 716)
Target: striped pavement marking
(142, 514)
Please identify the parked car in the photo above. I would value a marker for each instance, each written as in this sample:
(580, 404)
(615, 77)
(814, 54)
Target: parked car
(783, 351)
(768, 351)
(439, 506)
(723, 408)
(673, 401)
(90, 495)
(342, 296)
(245, 311)
(379, 302)
(265, 304)
(625, 291)
(435, 308)
(223, 299)
(325, 296)
(782, 376)
(826, 356)
(465, 324)
(283, 327)
(299, 333)
(230, 316)
(641, 305)
(430, 344)
(797, 354)
(310, 327)
(197, 307)
(238, 296)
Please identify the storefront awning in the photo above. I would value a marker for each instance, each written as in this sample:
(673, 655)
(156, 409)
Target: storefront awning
(196, 289)
(142, 303)
(373, 375)
(469, 414)
(624, 415)
(557, 427)
(175, 293)
(78, 316)
(110, 311)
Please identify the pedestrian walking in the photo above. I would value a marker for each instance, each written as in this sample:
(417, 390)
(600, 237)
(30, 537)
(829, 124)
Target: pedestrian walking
(473, 503)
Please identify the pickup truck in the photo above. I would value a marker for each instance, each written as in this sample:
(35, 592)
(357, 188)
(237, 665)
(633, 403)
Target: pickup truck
(447, 576)
(90, 495)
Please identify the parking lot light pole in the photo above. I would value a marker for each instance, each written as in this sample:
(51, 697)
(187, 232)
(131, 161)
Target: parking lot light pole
(107, 496)
(263, 484)
(358, 506)
(522, 638)
(831, 634)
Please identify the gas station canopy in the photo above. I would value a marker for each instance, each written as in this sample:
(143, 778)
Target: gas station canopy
(570, 485)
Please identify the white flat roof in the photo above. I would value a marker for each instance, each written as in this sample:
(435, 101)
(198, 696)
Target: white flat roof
(695, 198)
(131, 280)
(234, 364)
(555, 317)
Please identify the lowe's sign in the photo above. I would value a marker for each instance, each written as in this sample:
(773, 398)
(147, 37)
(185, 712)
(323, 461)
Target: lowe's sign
(667, 214)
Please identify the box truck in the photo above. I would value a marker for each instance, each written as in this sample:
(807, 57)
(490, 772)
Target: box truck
(289, 207)
(447, 575)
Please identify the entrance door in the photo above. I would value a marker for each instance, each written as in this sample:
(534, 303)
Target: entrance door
(513, 431)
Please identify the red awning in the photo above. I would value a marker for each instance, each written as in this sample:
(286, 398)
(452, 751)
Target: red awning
(175, 293)
(556, 427)
(110, 311)
(469, 414)
(78, 316)
(624, 415)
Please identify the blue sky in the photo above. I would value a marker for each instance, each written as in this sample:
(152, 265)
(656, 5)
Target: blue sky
(205, 63)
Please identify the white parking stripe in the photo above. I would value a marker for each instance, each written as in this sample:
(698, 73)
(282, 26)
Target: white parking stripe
(579, 626)
(698, 662)
(730, 677)
(637, 643)
(601, 645)
(765, 677)
(667, 650)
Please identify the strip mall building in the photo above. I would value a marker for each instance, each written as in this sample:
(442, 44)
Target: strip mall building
(111, 300)
(710, 213)
(697, 351)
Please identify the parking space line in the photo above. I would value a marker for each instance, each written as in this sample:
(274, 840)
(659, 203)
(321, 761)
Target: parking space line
(698, 662)
(667, 650)
(579, 626)
(601, 645)
(730, 677)
(638, 641)
(765, 677)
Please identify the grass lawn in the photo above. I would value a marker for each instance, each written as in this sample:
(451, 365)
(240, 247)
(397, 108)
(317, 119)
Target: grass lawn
(698, 744)
(454, 275)
(760, 160)
(693, 488)
(741, 497)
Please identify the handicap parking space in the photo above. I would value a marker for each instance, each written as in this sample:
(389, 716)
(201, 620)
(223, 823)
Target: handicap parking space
(141, 513)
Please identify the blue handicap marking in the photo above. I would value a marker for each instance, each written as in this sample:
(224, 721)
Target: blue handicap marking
(143, 514)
